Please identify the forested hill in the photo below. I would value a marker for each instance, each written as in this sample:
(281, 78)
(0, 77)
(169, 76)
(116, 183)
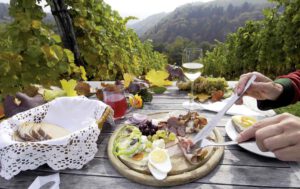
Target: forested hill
(4, 13)
(199, 22)
(141, 27)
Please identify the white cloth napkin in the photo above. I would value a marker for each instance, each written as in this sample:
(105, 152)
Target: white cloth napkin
(249, 108)
(46, 182)
(71, 113)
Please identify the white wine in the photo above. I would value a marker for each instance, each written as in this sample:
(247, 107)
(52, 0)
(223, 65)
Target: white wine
(192, 70)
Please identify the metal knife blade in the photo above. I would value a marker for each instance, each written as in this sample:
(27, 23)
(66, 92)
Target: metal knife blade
(212, 124)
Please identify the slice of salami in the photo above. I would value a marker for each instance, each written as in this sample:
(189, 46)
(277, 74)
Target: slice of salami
(181, 131)
(173, 122)
(173, 129)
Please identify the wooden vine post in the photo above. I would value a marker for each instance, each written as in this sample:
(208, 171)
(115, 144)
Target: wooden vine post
(65, 27)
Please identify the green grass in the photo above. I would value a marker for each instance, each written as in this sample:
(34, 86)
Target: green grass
(293, 109)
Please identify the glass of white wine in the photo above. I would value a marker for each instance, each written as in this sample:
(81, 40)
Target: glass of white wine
(192, 70)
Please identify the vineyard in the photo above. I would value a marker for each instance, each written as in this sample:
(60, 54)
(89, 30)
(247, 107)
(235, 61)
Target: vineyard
(32, 52)
(270, 46)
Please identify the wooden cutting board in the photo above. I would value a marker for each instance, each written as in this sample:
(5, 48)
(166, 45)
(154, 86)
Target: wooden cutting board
(182, 171)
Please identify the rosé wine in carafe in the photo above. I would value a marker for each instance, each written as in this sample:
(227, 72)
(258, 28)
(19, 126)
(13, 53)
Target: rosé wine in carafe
(115, 98)
(118, 104)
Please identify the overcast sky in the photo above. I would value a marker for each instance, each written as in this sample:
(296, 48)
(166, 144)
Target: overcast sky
(143, 8)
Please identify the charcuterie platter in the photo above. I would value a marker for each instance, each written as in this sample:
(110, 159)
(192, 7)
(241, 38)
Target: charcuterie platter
(154, 149)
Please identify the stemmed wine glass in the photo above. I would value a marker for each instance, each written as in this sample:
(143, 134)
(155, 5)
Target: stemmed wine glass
(192, 69)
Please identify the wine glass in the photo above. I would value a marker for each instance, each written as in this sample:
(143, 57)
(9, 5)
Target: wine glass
(192, 70)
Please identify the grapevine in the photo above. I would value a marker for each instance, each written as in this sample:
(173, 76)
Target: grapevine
(270, 46)
(32, 53)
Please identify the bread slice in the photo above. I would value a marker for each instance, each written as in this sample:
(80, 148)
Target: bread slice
(35, 132)
(242, 123)
(140, 166)
(49, 131)
(16, 137)
(24, 131)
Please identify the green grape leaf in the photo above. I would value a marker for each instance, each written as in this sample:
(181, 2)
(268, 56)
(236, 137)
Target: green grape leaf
(158, 90)
(56, 38)
(52, 94)
(49, 53)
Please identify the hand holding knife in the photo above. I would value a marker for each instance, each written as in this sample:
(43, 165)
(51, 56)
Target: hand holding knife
(212, 124)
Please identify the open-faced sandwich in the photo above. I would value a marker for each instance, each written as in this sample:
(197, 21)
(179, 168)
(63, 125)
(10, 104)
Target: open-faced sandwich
(242, 123)
(160, 146)
(207, 88)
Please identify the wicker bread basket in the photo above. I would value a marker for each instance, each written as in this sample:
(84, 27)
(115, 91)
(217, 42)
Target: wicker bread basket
(84, 119)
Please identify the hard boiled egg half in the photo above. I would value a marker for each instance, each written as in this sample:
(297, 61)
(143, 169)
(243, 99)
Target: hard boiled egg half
(159, 163)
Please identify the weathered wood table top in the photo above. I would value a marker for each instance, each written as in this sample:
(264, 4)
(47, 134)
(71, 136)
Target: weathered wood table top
(237, 169)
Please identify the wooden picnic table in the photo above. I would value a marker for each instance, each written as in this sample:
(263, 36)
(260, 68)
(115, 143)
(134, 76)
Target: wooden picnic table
(237, 169)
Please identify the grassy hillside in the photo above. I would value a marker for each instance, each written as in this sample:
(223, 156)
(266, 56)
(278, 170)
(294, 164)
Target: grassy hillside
(293, 109)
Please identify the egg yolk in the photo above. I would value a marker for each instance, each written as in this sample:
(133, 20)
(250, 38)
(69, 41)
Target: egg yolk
(158, 156)
(247, 122)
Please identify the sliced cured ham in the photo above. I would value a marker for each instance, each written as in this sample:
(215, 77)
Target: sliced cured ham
(197, 156)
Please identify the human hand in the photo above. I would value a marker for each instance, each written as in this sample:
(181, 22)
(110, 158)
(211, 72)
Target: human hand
(279, 134)
(263, 88)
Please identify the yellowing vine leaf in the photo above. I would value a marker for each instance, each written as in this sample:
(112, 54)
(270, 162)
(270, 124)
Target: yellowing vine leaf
(128, 78)
(69, 55)
(158, 78)
(49, 53)
(69, 87)
(83, 73)
(56, 38)
(36, 24)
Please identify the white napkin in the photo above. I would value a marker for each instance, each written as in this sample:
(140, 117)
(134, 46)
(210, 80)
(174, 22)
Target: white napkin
(249, 108)
(42, 181)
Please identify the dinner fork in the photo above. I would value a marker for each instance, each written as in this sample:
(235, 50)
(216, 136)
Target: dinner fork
(205, 143)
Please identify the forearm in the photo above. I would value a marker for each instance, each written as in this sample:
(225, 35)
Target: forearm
(289, 95)
(284, 99)
(295, 80)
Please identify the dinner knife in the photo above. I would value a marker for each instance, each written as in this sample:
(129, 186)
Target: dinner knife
(212, 124)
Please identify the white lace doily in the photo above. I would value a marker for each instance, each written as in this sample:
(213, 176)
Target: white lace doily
(77, 114)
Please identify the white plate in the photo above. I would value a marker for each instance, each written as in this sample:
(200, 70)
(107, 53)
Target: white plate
(248, 108)
(251, 147)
